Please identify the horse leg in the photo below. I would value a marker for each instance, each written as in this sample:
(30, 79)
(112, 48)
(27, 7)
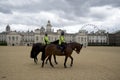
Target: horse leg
(42, 64)
(35, 60)
(43, 61)
(47, 60)
(55, 59)
(65, 61)
(50, 60)
(71, 61)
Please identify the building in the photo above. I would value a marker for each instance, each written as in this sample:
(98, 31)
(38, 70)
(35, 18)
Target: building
(14, 38)
(81, 37)
(3, 36)
(114, 39)
(98, 38)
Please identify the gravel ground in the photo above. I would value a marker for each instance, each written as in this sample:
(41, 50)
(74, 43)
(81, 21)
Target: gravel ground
(93, 63)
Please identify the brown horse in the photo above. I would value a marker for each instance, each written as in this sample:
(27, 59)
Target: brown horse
(39, 47)
(52, 49)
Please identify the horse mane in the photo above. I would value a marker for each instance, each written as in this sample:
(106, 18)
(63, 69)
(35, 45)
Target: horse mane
(55, 42)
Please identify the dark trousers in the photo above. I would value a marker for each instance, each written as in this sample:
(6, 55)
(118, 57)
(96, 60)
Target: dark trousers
(62, 46)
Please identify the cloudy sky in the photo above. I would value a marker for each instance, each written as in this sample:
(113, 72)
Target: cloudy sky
(71, 15)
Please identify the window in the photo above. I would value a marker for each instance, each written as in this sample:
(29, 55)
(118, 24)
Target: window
(96, 41)
(85, 39)
(16, 38)
(13, 38)
(36, 38)
(104, 41)
(81, 39)
(9, 38)
(90, 41)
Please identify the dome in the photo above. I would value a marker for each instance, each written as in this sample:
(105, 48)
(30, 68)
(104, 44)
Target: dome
(8, 28)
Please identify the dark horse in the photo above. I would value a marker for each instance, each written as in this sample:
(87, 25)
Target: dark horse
(53, 50)
(39, 47)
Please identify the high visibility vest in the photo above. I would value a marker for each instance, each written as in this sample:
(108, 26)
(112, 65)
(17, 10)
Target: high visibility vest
(61, 40)
(46, 40)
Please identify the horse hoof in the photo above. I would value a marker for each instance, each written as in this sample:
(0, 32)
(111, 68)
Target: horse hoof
(52, 66)
(45, 62)
(70, 65)
(65, 66)
(35, 62)
(56, 63)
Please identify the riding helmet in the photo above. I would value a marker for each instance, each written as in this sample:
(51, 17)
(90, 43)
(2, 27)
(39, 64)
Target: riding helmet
(62, 33)
(46, 34)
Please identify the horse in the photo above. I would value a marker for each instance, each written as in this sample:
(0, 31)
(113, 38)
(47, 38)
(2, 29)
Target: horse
(40, 47)
(53, 50)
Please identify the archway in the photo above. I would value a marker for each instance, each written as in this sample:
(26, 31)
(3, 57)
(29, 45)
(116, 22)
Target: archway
(13, 44)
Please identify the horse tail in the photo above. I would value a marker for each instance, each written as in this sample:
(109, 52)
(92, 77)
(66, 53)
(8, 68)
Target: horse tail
(32, 55)
(43, 56)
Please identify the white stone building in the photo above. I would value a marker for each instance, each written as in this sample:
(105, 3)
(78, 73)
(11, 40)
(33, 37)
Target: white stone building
(98, 38)
(4, 34)
(14, 38)
(81, 37)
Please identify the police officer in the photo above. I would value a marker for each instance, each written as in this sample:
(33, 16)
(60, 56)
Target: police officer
(46, 39)
(62, 41)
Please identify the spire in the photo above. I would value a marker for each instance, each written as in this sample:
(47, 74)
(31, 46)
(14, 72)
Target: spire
(48, 21)
(42, 29)
(8, 28)
(48, 26)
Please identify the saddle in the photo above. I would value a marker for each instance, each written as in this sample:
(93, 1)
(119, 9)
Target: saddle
(62, 47)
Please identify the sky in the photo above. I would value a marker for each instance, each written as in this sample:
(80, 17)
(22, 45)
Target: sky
(70, 15)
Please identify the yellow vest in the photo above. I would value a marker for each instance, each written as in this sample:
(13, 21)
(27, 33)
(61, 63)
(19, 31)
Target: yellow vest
(61, 40)
(46, 40)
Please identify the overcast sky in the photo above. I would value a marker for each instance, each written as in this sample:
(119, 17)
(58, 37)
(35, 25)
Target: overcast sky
(71, 15)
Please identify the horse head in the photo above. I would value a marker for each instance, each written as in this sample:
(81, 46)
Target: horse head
(78, 47)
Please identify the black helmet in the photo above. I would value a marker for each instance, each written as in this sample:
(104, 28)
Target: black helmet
(62, 33)
(46, 34)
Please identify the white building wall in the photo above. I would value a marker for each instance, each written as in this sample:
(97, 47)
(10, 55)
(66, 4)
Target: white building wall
(3, 37)
(98, 38)
(81, 37)
(13, 40)
(38, 38)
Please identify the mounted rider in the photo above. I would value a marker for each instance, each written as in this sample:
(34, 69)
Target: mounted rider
(62, 41)
(46, 39)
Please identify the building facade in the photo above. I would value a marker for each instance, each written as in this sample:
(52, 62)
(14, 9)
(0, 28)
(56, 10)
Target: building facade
(98, 38)
(14, 38)
(114, 39)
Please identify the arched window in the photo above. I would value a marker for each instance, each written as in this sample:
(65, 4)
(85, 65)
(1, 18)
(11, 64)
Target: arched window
(16, 38)
(81, 39)
(13, 38)
(9, 38)
(36, 38)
